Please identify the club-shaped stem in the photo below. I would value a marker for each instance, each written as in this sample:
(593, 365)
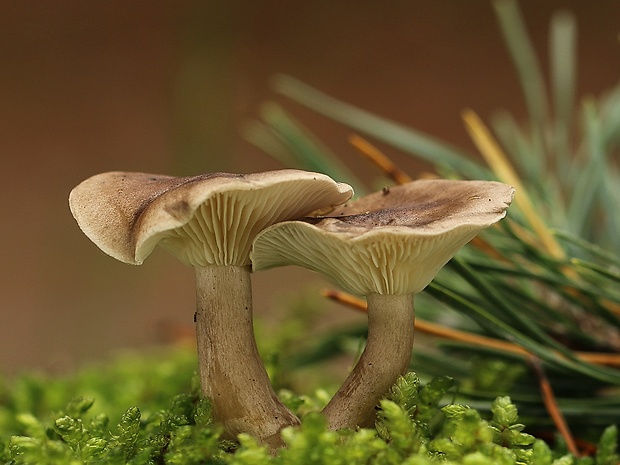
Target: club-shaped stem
(385, 358)
(232, 373)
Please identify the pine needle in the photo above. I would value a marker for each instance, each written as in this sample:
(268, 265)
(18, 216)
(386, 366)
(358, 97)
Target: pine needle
(499, 163)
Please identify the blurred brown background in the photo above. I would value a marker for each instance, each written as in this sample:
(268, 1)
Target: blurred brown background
(164, 87)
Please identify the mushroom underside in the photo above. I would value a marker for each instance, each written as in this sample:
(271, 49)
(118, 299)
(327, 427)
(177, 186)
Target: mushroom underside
(393, 264)
(220, 230)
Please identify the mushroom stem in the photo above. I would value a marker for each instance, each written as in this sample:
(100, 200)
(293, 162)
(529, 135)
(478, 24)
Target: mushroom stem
(385, 358)
(232, 373)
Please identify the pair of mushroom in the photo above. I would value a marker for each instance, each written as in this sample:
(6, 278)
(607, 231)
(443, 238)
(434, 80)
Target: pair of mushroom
(386, 246)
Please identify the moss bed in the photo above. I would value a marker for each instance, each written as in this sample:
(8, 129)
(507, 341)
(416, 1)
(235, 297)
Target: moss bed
(144, 408)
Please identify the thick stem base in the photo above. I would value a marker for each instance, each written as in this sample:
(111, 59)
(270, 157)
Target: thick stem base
(385, 358)
(232, 374)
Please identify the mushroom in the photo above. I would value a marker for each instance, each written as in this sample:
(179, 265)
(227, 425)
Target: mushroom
(209, 222)
(386, 246)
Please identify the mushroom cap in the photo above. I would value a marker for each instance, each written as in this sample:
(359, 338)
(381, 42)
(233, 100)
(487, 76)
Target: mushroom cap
(390, 242)
(210, 219)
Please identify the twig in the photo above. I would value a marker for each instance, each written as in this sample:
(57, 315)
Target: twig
(435, 329)
(552, 406)
(380, 159)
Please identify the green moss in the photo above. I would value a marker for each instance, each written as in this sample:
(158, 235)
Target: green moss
(145, 409)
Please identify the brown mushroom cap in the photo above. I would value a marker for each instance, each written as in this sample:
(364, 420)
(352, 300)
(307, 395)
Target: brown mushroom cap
(209, 219)
(390, 242)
